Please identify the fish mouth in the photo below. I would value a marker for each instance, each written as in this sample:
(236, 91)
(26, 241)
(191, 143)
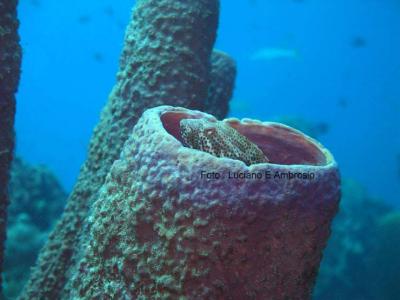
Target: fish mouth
(280, 143)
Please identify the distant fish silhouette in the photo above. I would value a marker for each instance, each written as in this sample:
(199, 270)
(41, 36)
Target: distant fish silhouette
(274, 53)
(97, 56)
(342, 103)
(321, 128)
(109, 11)
(121, 24)
(313, 129)
(398, 165)
(358, 42)
(35, 3)
(84, 19)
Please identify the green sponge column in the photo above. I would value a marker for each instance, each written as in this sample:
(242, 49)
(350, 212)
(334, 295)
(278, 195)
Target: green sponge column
(10, 62)
(165, 60)
(220, 91)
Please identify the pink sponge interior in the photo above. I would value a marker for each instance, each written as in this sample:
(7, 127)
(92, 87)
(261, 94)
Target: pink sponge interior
(281, 144)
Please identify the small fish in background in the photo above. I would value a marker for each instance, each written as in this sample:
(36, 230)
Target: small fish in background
(253, 2)
(398, 165)
(121, 24)
(342, 103)
(35, 3)
(358, 42)
(98, 57)
(109, 11)
(321, 128)
(84, 19)
(265, 54)
(311, 128)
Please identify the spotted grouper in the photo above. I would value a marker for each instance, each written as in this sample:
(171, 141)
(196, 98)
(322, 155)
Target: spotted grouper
(221, 140)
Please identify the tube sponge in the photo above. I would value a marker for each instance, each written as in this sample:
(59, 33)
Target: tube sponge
(170, 223)
(165, 60)
(223, 75)
(10, 63)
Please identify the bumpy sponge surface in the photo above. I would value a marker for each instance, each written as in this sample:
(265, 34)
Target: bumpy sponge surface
(173, 222)
(165, 60)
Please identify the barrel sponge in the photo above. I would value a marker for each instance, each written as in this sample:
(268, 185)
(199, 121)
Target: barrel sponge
(223, 76)
(161, 231)
(165, 60)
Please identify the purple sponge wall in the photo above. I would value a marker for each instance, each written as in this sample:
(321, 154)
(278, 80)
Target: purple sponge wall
(166, 226)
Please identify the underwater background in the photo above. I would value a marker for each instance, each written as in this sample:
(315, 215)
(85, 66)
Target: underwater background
(328, 68)
(341, 69)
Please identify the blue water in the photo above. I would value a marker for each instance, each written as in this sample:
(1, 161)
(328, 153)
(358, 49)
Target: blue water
(346, 73)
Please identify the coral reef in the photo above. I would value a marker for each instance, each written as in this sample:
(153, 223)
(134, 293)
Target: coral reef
(383, 259)
(10, 61)
(35, 192)
(223, 74)
(165, 60)
(37, 200)
(160, 230)
(364, 236)
(24, 241)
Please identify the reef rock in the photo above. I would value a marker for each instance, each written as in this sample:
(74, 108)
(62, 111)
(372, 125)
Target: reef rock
(36, 201)
(363, 248)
